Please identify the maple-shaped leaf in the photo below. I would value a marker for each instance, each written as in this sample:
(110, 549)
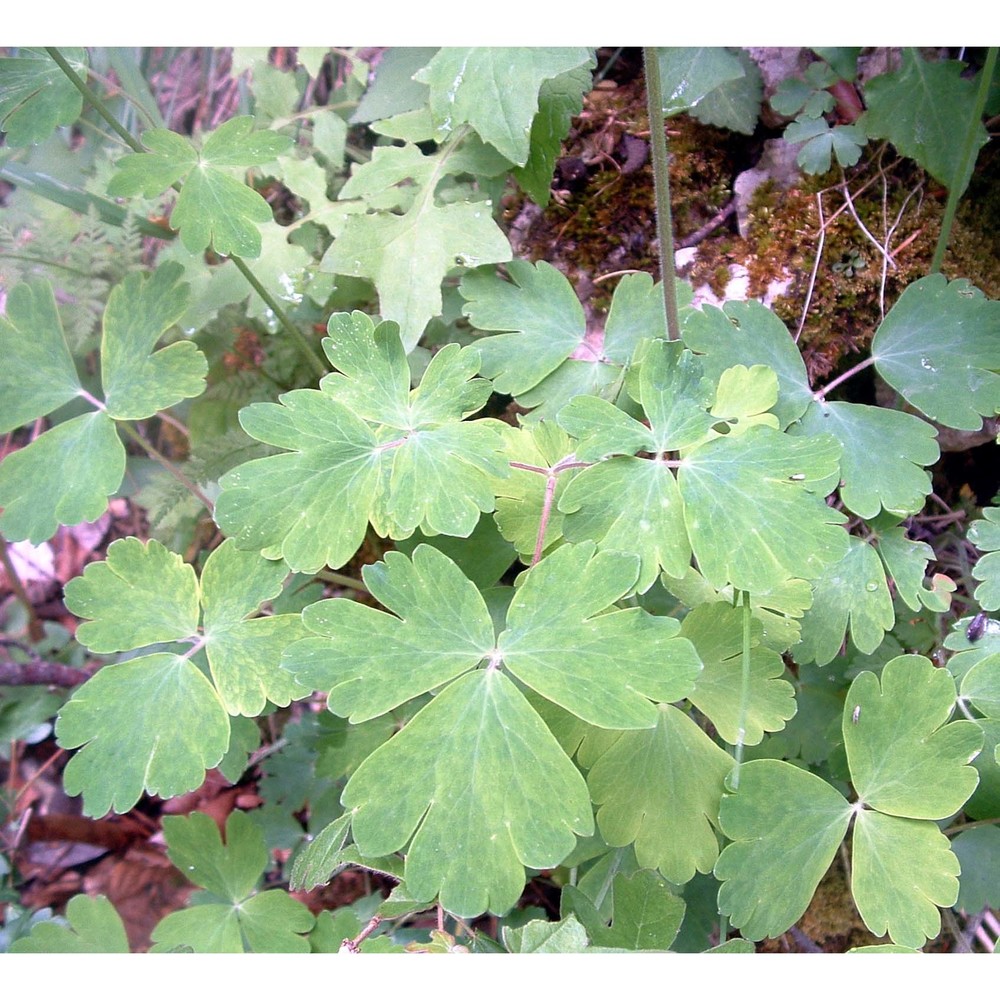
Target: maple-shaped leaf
(269, 922)
(851, 591)
(750, 516)
(36, 96)
(916, 108)
(985, 535)
(415, 463)
(469, 835)
(939, 348)
(495, 90)
(906, 759)
(716, 631)
(748, 333)
(213, 207)
(660, 789)
(157, 722)
(785, 825)
(94, 928)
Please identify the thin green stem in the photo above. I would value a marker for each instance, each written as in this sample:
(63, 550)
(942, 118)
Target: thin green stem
(148, 448)
(820, 394)
(661, 190)
(744, 691)
(968, 158)
(343, 581)
(34, 625)
(959, 827)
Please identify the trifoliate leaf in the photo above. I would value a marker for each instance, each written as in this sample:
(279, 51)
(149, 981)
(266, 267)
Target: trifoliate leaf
(660, 789)
(985, 535)
(939, 348)
(751, 520)
(157, 587)
(884, 455)
(36, 96)
(902, 870)
(559, 100)
(849, 593)
(916, 109)
(559, 642)
(716, 631)
(778, 854)
(94, 928)
(38, 374)
(687, 75)
(154, 723)
(471, 835)
(906, 759)
(370, 661)
(495, 90)
(821, 142)
(90, 461)
(213, 206)
(647, 914)
(748, 333)
(138, 382)
(244, 653)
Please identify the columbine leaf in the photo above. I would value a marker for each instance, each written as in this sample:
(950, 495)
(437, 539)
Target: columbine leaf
(778, 854)
(213, 207)
(495, 90)
(905, 757)
(660, 789)
(749, 515)
(939, 348)
(559, 643)
(94, 928)
(883, 458)
(906, 562)
(916, 109)
(90, 461)
(985, 535)
(852, 590)
(748, 333)
(471, 834)
(546, 937)
(981, 686)
(244, 654)
(36, 96)
(978, 852)
(38, 374)
(716, 631)
(371, 661)
(902, 870)
(646, 916)
(138, 382)
(154, 723)
(157, 587)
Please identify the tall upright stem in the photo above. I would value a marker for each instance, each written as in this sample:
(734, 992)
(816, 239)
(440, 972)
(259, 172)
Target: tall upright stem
(661, 184)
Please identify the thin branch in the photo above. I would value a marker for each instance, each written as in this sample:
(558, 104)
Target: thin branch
(815, 270)
(820, 394)
(38, 672)
(168, 465)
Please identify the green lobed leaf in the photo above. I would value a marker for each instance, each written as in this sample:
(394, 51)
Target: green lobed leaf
(154, 723)
(688, 75)
(158, 589)
(734, 104)
(906, 562)
(981, 686)
(906, 759)
(750, 516)
(94, 928)
(319, 859)
(918, 107)
(978, 853)
(716, 631)
(495, 90)
(65, 476)
(36, 96)
(853, 593)
(785, 825)
(138, 381)
(939, 348)
(984, 533)
(883, 458)
(902, 870)
(471, 834)
(563, 937)
(38, 374)
(660, 789)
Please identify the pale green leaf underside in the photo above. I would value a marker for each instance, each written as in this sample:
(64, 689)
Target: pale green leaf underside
(151, 724)
(778, 854)
(472, 834)
(939, 348)
(660, 789)
(905, 757)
